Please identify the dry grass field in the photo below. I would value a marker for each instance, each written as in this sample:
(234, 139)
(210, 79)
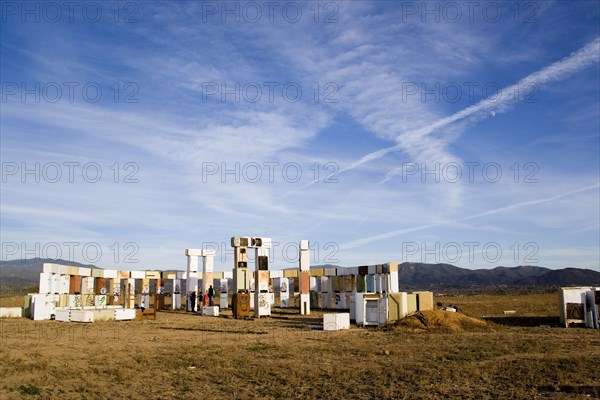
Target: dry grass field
(182, 356)
(525, 304)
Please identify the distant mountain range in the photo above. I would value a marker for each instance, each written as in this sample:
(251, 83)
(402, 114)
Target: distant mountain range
(411, 276)
(437, 276)
(27, 272)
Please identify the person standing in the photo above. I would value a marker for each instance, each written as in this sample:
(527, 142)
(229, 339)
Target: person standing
(211, 293)
(193, 301)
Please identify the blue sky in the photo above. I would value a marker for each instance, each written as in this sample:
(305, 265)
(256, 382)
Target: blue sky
(433, 132)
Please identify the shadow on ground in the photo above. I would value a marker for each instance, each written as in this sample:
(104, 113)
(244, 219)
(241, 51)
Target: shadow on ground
(571, 389)
(524, 321)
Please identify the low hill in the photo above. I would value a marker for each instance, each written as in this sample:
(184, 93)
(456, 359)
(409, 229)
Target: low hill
(27, 272)
(435, 276)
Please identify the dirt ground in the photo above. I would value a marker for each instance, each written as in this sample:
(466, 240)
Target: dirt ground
(184, 356)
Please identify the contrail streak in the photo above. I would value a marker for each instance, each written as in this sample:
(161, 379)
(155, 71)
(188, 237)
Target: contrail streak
(370, 239)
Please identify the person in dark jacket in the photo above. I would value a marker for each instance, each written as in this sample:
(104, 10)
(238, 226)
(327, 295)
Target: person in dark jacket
(193, 301)
(211, 294)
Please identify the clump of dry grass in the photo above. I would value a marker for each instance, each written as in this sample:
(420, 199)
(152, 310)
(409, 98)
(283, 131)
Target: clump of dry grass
(439, 320)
